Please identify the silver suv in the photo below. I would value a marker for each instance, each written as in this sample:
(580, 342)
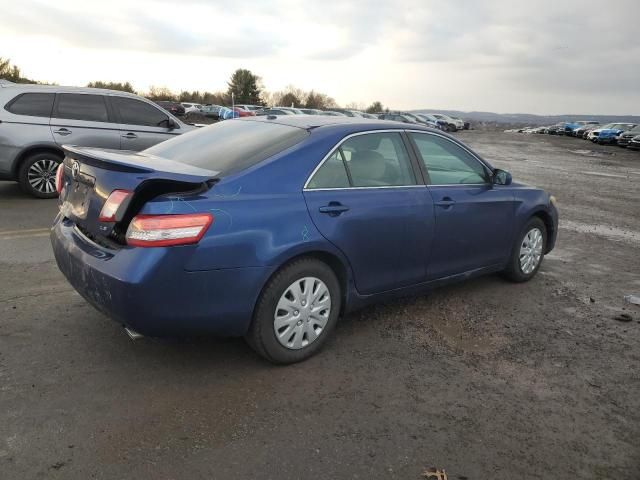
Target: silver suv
(35, 120)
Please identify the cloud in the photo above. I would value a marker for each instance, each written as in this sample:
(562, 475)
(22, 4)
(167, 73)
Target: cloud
(465, 49)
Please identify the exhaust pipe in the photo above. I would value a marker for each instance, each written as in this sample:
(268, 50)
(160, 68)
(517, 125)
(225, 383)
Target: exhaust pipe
(133, 335)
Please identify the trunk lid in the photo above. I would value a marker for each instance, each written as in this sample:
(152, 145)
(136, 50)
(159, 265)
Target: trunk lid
(90, 175)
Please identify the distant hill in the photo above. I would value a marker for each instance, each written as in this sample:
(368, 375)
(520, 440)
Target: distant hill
(530, 119)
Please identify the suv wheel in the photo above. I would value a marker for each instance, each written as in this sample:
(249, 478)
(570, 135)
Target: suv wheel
(37, 174)
(296, 312)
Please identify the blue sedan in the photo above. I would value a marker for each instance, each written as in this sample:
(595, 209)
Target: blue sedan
(272, 227)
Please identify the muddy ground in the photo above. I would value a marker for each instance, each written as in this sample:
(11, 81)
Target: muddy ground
(487, 379)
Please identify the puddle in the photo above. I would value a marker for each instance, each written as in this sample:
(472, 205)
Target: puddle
(612, 233)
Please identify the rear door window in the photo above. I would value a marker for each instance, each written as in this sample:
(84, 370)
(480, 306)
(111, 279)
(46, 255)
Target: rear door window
(229, 147)
(32, 104)
(136, 112)
(378, 160)
(74, 106)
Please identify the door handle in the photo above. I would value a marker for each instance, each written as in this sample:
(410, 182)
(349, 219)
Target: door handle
(130, 135)
(446, 202)
(63, 131)
(333, 209)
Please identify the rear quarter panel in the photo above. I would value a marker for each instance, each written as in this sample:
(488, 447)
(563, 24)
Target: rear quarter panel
(260, 215)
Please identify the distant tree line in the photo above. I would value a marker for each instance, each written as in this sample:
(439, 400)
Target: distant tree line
(244, 87)
(12, 72)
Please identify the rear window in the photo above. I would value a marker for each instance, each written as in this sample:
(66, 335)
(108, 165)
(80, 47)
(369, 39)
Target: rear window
(32, 104)
(230, 146)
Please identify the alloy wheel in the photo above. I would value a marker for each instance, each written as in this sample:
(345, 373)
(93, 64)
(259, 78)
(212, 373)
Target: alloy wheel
(531, 250)
(42, 175)
(302, 313)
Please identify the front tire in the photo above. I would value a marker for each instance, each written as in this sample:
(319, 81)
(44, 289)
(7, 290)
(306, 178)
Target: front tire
(528, 251)
(37, 174)
(296, 312)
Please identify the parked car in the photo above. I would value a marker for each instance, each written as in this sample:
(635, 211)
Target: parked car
(245, 113)
(331, 113)
(250, 228)
(397, 117)
(274, 111)
(418, 119)
(557, 129)
(211, 110)
(432, 121)
(295, 111)
(250, 108)
(634, 144)
(583, 131)
(369, 115)
(349, 112)
(624, 139)
(571, 128)
(36, 120)
(311, 111)
(461, 124)
(451, 124)
(174, 108)
(609, 133)
(191, 107)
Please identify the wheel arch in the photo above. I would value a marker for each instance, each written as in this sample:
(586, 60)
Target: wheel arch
(31, 150)
(338, 265)
(548, 223)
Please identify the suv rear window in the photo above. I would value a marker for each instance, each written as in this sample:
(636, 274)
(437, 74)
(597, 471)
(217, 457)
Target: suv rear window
(32, 104)
(230, 146)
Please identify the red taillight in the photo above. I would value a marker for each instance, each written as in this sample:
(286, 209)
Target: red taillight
(167, 230)
(113, 203)
(59, 178)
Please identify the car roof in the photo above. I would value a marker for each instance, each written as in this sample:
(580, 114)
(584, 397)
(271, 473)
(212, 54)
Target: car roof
(309, 122)
(63, 89)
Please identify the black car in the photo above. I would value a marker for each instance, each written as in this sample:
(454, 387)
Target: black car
(173, 107)
(556, 129)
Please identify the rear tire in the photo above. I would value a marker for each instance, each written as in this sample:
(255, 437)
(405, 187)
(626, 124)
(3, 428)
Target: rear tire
(37, 174)
(528, 251)
(282, 322)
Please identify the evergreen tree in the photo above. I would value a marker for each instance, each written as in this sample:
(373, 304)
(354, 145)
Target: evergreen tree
(244, 87)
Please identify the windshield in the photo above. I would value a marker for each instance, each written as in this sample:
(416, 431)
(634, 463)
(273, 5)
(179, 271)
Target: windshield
(230, 146)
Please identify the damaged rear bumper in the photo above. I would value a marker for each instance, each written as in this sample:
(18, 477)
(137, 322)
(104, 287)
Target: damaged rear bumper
(148, 290)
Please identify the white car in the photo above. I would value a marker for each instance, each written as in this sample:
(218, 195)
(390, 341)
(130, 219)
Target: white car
(191, 107)
(454, 123)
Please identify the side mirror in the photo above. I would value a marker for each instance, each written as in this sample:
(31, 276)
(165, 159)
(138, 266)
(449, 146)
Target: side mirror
(501, 177)
(171, 124)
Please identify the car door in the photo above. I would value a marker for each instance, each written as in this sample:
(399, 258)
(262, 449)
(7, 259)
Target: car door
(141, 123)
(474, 218)
(83, 119)
(365, 199)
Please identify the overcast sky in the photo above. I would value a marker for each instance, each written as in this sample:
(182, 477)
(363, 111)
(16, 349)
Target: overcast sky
(518, 56)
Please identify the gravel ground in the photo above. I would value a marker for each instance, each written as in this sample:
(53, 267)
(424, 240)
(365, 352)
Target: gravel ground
(485, 379)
